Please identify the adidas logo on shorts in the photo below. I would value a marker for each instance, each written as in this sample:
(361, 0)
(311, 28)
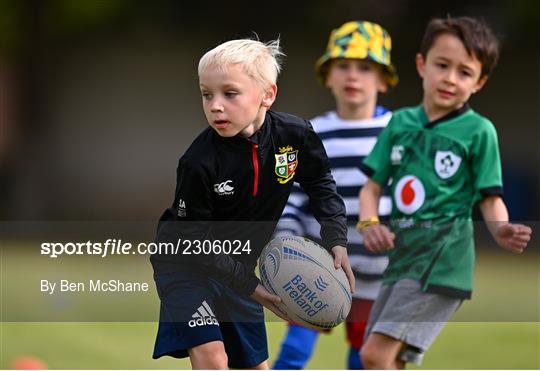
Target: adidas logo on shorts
(203, 316)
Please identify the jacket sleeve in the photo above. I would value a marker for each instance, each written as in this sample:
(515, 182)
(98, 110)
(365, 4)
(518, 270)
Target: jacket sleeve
(293, 219)
(190, 218)
(316, 180)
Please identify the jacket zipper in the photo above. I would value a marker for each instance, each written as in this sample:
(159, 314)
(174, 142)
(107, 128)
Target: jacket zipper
(255, 159)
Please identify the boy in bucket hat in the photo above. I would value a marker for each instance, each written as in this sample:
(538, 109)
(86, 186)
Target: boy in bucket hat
(355, 67)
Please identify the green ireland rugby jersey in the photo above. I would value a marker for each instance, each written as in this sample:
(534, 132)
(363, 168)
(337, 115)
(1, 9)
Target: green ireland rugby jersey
(437, 170)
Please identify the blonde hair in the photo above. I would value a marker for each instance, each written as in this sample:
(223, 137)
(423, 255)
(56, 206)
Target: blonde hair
(261, 61)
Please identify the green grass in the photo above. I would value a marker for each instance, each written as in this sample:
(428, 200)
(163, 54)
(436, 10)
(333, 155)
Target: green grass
(498, 329)
(129, 346)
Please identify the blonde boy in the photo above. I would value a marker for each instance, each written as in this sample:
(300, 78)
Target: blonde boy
(232, 184)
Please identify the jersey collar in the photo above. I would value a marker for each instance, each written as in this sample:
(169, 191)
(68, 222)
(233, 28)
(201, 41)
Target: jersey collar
(261, 135)
(448, 116)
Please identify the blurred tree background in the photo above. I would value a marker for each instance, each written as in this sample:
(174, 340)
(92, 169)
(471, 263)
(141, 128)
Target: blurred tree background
(99, 98)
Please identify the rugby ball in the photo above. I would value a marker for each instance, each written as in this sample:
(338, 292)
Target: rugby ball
(301, 272)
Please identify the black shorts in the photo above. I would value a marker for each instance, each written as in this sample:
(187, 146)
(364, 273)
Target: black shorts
(196, 309)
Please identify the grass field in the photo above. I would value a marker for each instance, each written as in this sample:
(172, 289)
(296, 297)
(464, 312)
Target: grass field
(129, 345)
(498, 329)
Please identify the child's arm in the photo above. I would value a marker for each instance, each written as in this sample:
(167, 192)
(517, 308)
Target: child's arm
(377, 237)
(295, 217)
(315, 178)
(512, 237)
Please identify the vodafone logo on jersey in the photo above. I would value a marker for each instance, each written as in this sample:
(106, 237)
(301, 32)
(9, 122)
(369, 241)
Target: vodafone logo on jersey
(409, 194)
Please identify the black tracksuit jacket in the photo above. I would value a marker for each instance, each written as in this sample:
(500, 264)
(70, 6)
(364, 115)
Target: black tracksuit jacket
(234, 188)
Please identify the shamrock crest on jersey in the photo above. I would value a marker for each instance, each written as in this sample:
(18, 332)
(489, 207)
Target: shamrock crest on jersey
(446, 163)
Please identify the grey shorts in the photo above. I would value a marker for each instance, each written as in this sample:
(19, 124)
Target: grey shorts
(406, 313)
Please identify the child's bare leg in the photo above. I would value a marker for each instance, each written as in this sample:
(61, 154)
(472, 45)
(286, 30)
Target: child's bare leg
(380, 352)
(209, 356)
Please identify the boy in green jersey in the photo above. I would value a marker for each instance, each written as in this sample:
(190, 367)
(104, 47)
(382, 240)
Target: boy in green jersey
(441, 157)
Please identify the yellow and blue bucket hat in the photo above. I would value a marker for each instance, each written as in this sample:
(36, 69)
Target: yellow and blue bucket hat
(359, 40)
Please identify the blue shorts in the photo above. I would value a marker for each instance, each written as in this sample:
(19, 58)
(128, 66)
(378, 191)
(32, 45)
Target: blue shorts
(196, 309)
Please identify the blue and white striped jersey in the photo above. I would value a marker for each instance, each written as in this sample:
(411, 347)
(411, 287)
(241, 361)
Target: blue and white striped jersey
(347, 143)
